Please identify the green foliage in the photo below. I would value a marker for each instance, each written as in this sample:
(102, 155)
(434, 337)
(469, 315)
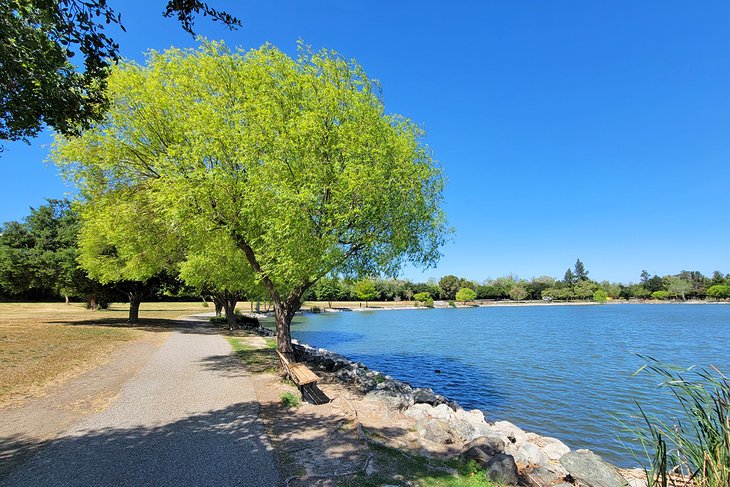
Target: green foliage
(452, 304)
(584, 289)
(424, 298)
(679, 287)
(291, 400)
(465, 294)
(295, 159)
(449, 286)
(719, 291)
(661, 295)
(569, 277)
(600, 296)
(581, 274)
(365, 290)
(518, 292)
(696, 446)
(39, 83)
(327, 289)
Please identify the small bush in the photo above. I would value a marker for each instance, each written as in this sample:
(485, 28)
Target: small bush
(661, 295)
(466, 294)
(379, 378)
(452, 304)
(291, 400)
(218, 320)
(246, 321)
(315, 309)
(424, 298)
(600, 296)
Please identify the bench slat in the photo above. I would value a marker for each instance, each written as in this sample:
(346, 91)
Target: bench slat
(299, 373)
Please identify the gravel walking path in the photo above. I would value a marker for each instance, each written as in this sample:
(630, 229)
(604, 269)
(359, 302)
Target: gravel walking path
(189, 417)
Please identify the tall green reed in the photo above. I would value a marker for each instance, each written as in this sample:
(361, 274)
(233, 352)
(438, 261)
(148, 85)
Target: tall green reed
(694, 447)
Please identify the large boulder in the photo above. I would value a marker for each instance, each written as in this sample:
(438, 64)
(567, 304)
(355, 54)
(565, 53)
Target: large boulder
(435, 430)
(591, 470)
(425, 396)
(476, 454)
(502, 469)
(491, 445)
(529, 454)
(554, 449)
(541, 476)
(515, 434)
(392, 399)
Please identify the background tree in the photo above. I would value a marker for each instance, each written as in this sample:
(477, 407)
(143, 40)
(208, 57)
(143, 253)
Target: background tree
(365, 290)
(584, 289)
(719, 291)
(518, 292)
(295, 159)
(124, 243)
(581, 274)
(425, 298)
(327, 289)
(569, 278)
(679, 287)
(449, 286)
(39, 85)
(600, 296)
(208, 266)
(38, 257)
(465, 294)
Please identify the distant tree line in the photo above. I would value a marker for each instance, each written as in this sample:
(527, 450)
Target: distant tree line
(40, 260)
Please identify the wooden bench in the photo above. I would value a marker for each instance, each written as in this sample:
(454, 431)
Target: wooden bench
(299, 373)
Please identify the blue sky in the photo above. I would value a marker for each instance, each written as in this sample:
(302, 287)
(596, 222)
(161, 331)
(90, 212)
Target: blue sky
(566, 129)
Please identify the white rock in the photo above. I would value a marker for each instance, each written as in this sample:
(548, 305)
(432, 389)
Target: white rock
(419, 411)
(442, 411)
(555, 449)
(511, 431)
(529, 454)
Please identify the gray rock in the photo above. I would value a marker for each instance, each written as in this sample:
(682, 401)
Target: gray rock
(435, 430)
(491, 445)
(541, 476)
(502, 469)
(477, 454)
(591, 470)
(555, 449)
(425, 396)
(529, 454)
(514, 433)
(391, 399)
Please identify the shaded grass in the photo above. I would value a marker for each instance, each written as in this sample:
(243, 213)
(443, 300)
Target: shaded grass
(396, 467)
(256, 359)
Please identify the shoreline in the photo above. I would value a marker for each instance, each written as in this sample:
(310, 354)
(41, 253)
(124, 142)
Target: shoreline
(442, 423)
(496, 304)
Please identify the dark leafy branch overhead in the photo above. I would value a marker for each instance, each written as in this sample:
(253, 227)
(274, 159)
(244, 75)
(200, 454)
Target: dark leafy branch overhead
(40, 86)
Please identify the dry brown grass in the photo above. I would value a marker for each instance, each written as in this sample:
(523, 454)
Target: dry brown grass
(46, 343)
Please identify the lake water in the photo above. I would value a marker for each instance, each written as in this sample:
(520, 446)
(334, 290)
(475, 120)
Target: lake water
(556, 370)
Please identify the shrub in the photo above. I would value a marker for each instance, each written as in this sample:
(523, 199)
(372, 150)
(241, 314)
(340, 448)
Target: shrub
(291, 400)
(315, 309)
(218, 320)
(600, 296)
(719, 291)
(696, 446)
(466, 294)
(423, 298)
(452, 304)
(661, 295)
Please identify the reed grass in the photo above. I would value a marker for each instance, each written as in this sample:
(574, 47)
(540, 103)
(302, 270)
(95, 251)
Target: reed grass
(692, 449)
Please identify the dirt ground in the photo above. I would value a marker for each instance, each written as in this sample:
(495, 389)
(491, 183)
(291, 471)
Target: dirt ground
(338, 443)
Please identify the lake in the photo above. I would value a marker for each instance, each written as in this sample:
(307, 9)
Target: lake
(559, 371)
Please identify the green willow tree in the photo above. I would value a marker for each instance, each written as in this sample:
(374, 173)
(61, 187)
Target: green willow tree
(214, 265)
(123, 243)
(294, 159)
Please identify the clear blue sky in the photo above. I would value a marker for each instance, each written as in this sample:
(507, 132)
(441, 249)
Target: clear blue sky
(567, 129)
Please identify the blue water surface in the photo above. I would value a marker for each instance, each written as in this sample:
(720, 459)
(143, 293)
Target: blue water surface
(559, 371)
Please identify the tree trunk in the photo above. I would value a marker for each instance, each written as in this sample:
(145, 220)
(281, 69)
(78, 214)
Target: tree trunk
(135, 299)
(92, 302)
(65, 296)
(283, 314)
(218, 303)
(229, 303)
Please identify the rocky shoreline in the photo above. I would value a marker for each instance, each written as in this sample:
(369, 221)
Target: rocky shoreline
(508, 454)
